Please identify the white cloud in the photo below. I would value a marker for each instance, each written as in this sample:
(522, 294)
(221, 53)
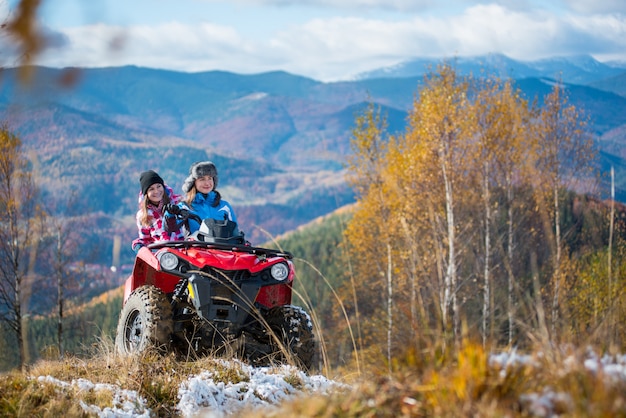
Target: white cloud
(172, 45)
(360, 44)
(597, 6)
(337, 47)
(580, 6)
(399, 5)
(484, 29)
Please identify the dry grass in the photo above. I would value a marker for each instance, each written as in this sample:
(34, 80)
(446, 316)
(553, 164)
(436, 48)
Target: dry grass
(463, 382)
(466, 383)
(56, 388)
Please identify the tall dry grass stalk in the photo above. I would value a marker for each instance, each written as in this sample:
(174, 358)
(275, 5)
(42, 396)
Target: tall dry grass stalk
(317, 323)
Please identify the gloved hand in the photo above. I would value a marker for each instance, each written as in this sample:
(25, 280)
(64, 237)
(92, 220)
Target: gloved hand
(171, 225)
(137, 247)
(171, 208)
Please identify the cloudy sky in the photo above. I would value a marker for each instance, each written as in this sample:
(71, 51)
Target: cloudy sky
(326, 40)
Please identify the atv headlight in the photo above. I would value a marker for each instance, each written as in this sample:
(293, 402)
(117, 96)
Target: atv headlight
(280, 271)
(168, 261)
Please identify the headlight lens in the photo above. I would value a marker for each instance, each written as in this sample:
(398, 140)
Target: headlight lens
(280, 271)
(168, 261)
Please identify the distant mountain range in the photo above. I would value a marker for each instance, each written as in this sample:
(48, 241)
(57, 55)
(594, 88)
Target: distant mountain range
(279, 140)
(577, 69)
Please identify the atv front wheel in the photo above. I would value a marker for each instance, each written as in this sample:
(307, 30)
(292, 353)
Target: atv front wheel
(294, 330)
(145, 322)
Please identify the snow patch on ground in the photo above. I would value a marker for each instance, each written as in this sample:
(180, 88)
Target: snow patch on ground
(262, 387)
(126, 403)
(205, 395)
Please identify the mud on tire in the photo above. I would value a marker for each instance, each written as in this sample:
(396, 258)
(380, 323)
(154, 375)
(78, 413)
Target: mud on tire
(145, 322)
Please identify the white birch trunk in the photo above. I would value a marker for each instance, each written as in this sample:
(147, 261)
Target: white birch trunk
(610, 255)
(486, 290)
(389, 302)
(557, 261)
(60, 296)
(441, 288)
(450, 280)
(510, 310)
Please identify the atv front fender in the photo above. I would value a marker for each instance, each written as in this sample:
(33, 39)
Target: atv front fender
(147, 271)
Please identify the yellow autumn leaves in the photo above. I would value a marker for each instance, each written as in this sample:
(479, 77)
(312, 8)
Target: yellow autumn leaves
(465, 199)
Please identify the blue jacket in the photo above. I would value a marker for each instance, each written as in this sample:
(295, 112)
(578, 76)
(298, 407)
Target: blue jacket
(202, 206)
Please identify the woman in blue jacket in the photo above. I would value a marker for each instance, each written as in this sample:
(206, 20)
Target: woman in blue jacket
(202, 198)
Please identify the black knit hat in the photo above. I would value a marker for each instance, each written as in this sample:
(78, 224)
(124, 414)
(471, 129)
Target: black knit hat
(148, 178)
(200, 169)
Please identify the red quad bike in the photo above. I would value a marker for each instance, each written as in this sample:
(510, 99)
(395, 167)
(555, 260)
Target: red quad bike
(213, 293)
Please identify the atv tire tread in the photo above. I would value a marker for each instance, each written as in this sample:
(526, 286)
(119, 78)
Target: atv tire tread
(148, 314)
(293, 326)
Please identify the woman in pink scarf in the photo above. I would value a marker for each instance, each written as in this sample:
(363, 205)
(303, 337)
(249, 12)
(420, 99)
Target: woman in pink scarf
(155, 194)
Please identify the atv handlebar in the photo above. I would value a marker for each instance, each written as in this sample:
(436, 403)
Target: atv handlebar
(172, 208)
(182, 214)
(267, 252)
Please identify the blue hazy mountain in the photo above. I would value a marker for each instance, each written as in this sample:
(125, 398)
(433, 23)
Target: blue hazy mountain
(577, 69)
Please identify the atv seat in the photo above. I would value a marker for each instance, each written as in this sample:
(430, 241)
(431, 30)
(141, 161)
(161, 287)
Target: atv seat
(216, 231)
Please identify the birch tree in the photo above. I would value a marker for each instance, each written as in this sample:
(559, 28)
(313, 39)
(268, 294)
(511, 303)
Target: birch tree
(64, 240)
(491, 118)
(441, 117)
(18, 208)
(566, 150)
(410, 196)
(368, 145)
(502, 126)
(610, 249)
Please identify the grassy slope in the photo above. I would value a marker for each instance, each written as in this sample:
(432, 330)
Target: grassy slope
(439, 381)
(444, 384)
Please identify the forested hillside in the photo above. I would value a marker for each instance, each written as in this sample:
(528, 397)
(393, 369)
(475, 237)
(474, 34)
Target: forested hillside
(410, 289)
(327, 279)
(486, 204)
(279, 141)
